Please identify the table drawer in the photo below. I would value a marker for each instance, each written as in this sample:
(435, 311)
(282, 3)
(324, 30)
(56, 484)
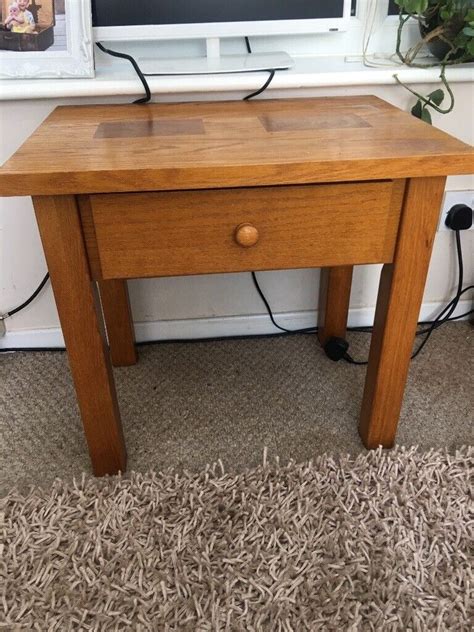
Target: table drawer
(232, 230)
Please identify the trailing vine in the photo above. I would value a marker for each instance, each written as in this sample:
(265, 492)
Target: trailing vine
(447, 28)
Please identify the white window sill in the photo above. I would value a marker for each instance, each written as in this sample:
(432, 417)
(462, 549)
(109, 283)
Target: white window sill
(309, 72)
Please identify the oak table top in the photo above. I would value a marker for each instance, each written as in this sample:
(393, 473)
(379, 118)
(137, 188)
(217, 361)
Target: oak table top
(118, 148)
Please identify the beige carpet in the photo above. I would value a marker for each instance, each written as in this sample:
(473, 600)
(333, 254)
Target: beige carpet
(379, 543)
(190, 404)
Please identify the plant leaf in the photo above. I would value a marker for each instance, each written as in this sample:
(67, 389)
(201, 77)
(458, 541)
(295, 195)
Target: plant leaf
(417, 109)
(426, 116)
(436, 97)
(413, 6)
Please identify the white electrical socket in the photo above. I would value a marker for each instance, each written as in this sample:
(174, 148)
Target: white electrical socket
(450, 199)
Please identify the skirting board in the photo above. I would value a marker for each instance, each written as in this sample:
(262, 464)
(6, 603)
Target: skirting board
(195, 328)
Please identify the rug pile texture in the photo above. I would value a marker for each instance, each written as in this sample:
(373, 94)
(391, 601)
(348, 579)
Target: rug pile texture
(376, 542)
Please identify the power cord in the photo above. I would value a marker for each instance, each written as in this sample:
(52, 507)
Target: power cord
(441, 319)
(136, 67)
(29, 300)
(267, 82)
(305, 330)
(282, 333)
(263, 88)
(142, 75)
(338, 347)
(434, 324)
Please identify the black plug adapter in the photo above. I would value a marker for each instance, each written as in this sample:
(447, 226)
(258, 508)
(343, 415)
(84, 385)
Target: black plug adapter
(459, 217)
(336, 348)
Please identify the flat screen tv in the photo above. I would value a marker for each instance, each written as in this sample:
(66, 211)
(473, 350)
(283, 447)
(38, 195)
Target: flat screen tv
(134, 20)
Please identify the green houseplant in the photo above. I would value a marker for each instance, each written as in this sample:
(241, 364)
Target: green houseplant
(447, 29)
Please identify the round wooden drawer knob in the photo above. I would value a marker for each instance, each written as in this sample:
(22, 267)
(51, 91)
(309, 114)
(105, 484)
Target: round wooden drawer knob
(246, 235)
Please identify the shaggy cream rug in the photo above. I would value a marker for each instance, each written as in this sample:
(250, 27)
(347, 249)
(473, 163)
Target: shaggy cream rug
(377, 542)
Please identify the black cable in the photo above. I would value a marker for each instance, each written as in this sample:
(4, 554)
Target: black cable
(142, 76)
(284, 332)
(254, 276)
(263, 88)
(31, 349)
(363, 330)
(136, 67)
(280, 334)
(305, 330)
(441, 319)
(437, 322)
(265, 302)
(465, 315)
(369, 329)
(451, 318)
(28, 300)
(145, 343)
(351, 360)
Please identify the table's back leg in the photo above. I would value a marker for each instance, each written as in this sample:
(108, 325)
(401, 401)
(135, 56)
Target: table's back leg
(118, 322)
(81, 322)
(334, 295)
(113, 295)
(398, 306)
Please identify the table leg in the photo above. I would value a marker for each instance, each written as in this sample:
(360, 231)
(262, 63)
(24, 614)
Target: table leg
(398, 306)
(334, 295)
(118, 322)
(81, 321)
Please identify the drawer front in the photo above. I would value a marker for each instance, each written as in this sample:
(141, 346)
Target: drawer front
(233, 230)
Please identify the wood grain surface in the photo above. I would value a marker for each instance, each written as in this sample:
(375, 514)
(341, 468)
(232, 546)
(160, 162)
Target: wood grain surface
(398, 307)
(82, 326)
(334, 297)
(116, 148)
(90, 238)
(118, 322)
(193, 232)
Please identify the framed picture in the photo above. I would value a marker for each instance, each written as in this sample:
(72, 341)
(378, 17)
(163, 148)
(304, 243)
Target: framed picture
(46, 39)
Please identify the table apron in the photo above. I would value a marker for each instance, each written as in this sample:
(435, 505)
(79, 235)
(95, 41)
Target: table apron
(136, 235)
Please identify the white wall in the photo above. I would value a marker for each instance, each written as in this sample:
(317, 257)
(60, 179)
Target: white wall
(207, 297)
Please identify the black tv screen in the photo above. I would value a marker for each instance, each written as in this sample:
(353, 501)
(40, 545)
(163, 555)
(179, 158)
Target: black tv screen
(136, 12)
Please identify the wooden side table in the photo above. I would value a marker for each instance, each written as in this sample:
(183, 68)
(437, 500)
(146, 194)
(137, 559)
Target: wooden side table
(125, 192)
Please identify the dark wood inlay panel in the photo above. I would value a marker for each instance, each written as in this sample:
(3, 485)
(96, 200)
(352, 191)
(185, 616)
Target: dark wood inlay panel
(154, 127)
(302, 122)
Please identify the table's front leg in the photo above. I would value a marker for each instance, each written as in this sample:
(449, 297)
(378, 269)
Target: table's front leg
(81, 322)
(398, 306)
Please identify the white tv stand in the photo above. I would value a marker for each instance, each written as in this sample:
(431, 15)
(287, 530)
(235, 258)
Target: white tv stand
(214, 62)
